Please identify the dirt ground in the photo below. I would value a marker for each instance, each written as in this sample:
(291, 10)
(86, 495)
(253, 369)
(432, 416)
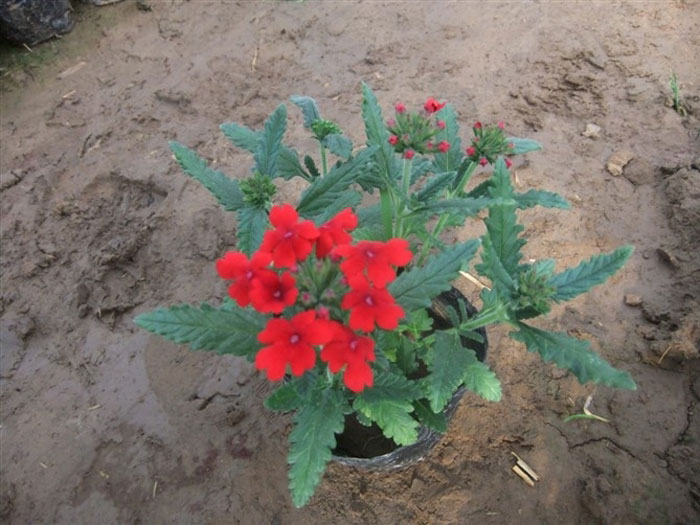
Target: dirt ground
(102, 424)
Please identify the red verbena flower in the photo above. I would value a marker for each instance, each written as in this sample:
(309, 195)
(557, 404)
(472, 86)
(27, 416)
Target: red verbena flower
(290, 241)
(509, 163)
(444, 146)
(429, 145)
(477, 125)
(369, 305)
(352, 351)
(393, 140)
(400, 107)
(471, 150)
(501, 125)
(236, 266)
(334, 232)
(408, 154)
(291, 342)
(390, 123)
(441, 124)
(431, 105)
(271, 293)
(483, 161)
(376, 257)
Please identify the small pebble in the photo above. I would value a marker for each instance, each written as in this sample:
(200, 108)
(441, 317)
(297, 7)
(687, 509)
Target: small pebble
(633, 300)
(592, 131)
(618, 161)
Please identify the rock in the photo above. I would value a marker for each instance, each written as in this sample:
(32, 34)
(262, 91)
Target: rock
(667, 257)
(633, 300)
(592, 131)
(618, 161)
(639, 172)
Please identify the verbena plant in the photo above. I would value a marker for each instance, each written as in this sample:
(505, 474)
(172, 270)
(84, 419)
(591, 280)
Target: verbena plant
(316, 300)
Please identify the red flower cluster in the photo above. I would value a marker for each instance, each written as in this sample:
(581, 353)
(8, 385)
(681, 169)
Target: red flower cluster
(431, 105)
(368, 267)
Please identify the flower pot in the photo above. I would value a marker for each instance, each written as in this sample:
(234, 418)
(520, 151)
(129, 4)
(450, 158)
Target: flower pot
(366, 447)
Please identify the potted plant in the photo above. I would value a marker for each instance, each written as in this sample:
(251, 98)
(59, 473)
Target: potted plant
(340, 298)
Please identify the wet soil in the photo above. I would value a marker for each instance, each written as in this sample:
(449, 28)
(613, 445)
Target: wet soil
(101, 423)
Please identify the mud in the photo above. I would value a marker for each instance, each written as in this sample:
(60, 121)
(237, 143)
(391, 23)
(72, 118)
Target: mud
(101, 423)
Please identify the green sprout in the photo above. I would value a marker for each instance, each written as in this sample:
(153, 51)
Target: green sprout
(676, 102)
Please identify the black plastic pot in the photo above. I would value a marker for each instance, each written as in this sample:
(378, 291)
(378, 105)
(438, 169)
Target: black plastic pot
(33, 21)
(389, 456)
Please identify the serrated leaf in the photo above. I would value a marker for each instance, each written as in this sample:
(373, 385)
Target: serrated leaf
(338, 145)
(324, 191)
(370, 220)
(252, 223)
(347, 199)
(270, 142)
(288, 165)
(572, 354)
(224, 189)
(308, 108)
(465, 206)
(481, 380)
(284, 399)
(430, 419)
(419, 167)
(434, 185)
(230, 331)
(241, 136)
(523, 145)
(546, 199)
(388, 403)
(501, 222)
(416, 287)
(544, 267)
(482, 190)
(311, 166)
(377, 135)
(492, 267)
(447, 366)
(311, 441)
(591, 272)
(452, 159)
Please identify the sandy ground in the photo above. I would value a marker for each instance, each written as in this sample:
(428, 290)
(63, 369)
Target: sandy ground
(101, 423)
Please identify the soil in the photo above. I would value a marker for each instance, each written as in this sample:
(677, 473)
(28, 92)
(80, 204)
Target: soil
(101, 423)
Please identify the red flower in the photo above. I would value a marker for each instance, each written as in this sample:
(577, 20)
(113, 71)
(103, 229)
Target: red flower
(477, 125)
(431, 105)
(271, 293)
(444, 146)
(334, 232)
(471, 150)
(290, 241)
(377, 257)
(352, 351)
(429, 145)
(369, 305)
(408, 154)
(291, 342)
(393, 140)
(236, 266)
(441, 124)
(501, 125)
(483, 161)
(399, 107)
(509, 163)
(390, 123)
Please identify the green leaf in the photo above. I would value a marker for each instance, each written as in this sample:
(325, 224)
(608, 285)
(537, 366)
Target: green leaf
(492, 267)
(416, 287)
(427, 417)
(308, 108)
(544, 267)
(284, 399)
(370, 220)
(311, 166)
(270, 142)
(241, 136)
(338, 145)
(546, 199)
(434, 185)
(323, 191)
(523, 145)
(419, 167)
(388, 403)
(230, 331)
(377, 135)
(252, 223)
(347, 199)
(452, 159)
(591, 272)
(224, 189)
(572, 354)
(463, 206)
(312, 440)
(481, 380)
(288, 165)
(447, 367)
(501, 222)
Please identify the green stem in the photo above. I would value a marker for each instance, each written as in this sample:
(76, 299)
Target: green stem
(428, 243)
(405, 188)
(406, 176)
(324, 161)
(493, 314)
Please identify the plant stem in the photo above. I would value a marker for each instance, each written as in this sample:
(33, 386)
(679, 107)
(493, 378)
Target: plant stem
(324, 161)
(493, 314)
(428, 243)
(405, 187)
